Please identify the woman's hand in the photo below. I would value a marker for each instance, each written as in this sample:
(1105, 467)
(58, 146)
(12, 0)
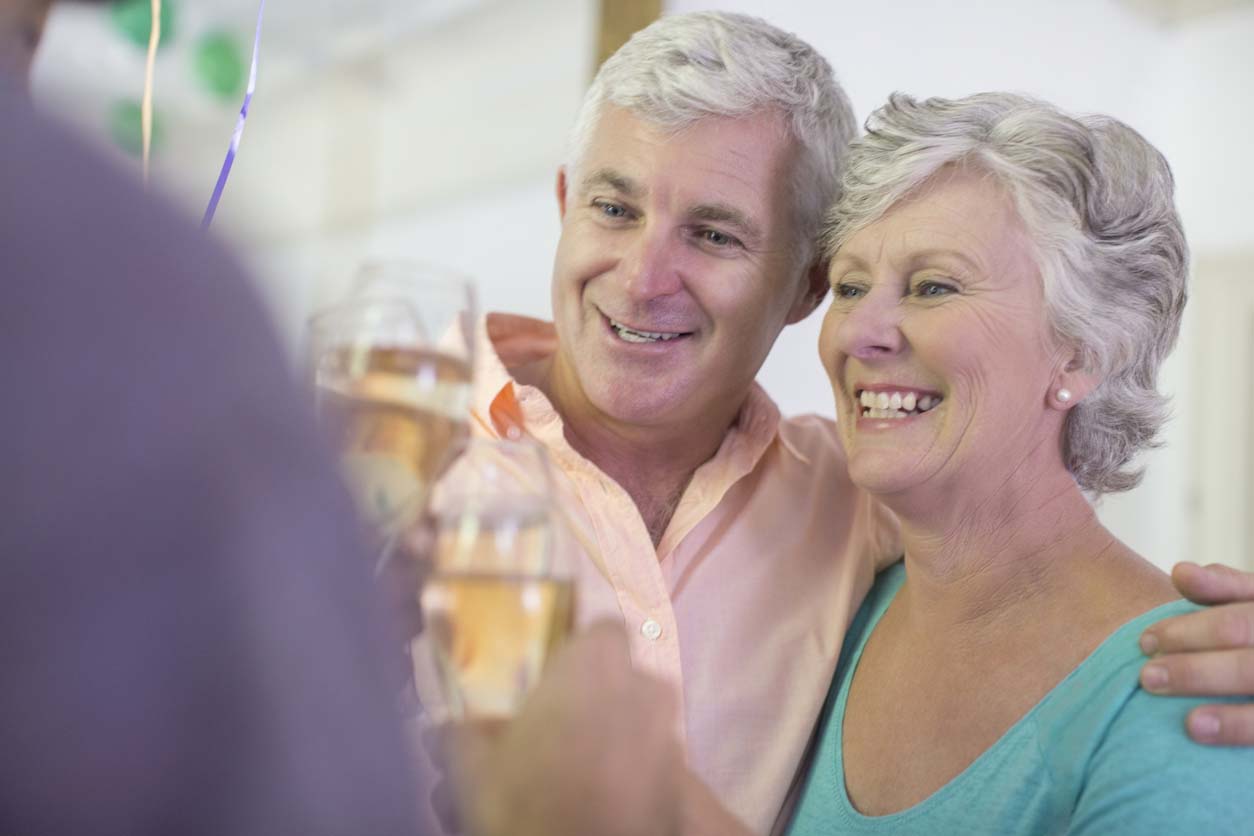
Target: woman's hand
(1208, 653)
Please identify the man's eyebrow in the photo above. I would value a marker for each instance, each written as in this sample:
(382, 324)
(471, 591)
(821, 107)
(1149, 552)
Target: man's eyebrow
(608, 177)
(721, 213)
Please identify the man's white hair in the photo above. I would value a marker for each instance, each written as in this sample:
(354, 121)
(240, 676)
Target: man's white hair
(685, 67)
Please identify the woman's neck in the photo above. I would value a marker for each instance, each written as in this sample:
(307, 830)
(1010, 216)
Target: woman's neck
(984, 561)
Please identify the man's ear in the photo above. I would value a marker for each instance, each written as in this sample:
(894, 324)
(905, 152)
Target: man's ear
(561, 192)
(813, 291)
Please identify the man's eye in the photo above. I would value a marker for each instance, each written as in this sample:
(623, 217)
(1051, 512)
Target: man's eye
(845, 290)
(718, 239)
(614, 211)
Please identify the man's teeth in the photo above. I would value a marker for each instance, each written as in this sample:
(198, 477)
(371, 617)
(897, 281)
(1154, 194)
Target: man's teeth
(895, 404)
(633, 336)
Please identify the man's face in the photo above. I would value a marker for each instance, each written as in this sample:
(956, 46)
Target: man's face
(21, 26)
(677, 266)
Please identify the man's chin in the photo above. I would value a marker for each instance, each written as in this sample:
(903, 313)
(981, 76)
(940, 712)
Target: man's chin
(640, 401)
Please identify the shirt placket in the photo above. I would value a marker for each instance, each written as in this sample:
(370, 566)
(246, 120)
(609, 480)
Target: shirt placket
(628, 555)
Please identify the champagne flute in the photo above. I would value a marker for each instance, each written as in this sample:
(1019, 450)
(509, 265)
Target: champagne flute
(495, 604)
(391, 367)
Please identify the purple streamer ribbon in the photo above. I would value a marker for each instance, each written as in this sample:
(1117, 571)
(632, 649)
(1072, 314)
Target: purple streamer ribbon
(212, 208)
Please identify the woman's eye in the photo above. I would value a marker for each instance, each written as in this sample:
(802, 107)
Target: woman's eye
(845, 290)
(933, 289)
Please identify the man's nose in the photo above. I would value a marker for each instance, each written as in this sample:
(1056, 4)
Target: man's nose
(651, 265)
(872, 327)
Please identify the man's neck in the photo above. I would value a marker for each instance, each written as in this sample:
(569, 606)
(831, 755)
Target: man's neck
(654, 463)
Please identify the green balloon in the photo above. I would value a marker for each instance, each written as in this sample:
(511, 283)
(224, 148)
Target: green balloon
(126, 127)
(218, 62)
(133, 18)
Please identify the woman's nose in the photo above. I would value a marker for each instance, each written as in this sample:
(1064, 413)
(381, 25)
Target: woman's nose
(871, 327)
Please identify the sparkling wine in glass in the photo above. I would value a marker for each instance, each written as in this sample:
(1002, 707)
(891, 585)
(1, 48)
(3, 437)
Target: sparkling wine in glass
(496, 605)
(392, 373)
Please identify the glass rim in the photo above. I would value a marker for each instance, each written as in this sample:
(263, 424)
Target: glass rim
(417, 272)
(398, 283)
(319, 318)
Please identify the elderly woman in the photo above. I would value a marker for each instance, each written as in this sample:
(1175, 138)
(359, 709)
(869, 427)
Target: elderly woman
(1007, 281)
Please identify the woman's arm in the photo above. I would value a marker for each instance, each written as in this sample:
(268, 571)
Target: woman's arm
(1147, 777)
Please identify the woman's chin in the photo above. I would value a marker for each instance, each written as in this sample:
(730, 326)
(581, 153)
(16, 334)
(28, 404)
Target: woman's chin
(872, 473)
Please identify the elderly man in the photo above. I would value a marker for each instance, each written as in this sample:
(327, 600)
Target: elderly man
(728, 540)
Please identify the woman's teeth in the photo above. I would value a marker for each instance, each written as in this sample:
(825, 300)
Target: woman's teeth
(631, 335)
(895, 404)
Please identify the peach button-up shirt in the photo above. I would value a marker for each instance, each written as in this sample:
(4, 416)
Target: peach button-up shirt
(743, 605)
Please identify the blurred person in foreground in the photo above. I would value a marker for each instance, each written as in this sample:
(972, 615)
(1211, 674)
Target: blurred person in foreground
(728, 539)
(1007, 280)
(189, 637)
(21, 28)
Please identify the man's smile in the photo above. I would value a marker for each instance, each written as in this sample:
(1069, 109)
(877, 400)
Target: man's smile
(637, 334)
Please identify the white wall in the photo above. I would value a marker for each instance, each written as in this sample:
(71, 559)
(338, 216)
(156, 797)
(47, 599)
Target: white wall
(442, 147)
(504, 239)
(1205, 110)
(1206, 107)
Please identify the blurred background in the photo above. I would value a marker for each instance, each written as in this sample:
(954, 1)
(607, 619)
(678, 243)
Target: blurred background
(432, 129)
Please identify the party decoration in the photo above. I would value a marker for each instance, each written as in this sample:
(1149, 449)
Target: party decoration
(154, 41)
(126, 126)
(218, 63)
(233, 148)
(133, 19)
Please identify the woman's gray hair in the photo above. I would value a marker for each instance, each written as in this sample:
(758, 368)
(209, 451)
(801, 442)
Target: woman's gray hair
(1097, 201)
(685, 67)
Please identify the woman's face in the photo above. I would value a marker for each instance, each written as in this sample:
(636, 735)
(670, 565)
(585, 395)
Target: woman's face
(938, 315)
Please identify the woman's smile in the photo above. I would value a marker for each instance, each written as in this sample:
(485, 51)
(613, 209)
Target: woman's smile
(893, 403)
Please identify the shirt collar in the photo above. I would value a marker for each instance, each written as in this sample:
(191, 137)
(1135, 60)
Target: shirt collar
(502, 342)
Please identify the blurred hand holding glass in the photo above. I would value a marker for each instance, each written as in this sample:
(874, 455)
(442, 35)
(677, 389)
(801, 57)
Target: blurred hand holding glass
(495, 605)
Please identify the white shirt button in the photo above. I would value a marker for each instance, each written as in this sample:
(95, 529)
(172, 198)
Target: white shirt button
(651, 630)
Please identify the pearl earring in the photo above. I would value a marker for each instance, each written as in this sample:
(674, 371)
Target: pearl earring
(1064, 395)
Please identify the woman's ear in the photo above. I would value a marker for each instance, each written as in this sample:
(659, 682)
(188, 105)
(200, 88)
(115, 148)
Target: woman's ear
(1072, 384)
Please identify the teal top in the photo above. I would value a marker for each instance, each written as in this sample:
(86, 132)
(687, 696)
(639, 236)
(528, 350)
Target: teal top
(1097, 755)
